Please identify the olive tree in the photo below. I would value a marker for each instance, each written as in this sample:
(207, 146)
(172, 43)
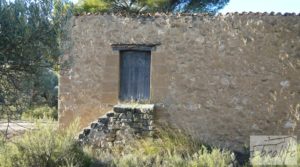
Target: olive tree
(138, 6)
(30, 35)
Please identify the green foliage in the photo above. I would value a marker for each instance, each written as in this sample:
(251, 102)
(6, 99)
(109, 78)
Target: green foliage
(171, 148)
(203, 157)
(215, 157)
(138, 6)
(45, 146)
(298, 153)
(134, 6)
(173, 139)
(92, 6)
(45, 88)
(30, 33)
(40, 112)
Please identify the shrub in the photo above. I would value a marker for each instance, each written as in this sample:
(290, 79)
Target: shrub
(215, 157)
(171, 148)
(298, 153)
(92, 6)
(45, 146)
(40, 112)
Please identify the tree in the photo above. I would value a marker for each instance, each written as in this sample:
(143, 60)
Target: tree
(202, 6)
(30, 33)
(138, 6)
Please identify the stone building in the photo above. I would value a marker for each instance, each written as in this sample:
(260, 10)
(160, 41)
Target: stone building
(219, 78)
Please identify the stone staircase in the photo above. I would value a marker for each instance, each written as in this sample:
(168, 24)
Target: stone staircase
(124, 123)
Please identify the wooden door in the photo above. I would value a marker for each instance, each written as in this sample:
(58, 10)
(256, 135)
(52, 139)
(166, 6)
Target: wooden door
(135, 75)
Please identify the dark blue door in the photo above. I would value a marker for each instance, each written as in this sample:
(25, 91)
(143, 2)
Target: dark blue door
(135, 75)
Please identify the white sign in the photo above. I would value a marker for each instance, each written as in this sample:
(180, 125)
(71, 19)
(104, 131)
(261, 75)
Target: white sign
(273, 150)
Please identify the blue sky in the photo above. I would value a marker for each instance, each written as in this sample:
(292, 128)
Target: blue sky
(262, 6)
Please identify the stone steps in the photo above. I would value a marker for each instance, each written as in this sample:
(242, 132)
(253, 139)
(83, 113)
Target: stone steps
(125, 122)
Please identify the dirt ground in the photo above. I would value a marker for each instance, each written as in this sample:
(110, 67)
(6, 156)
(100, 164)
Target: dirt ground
(15, 127)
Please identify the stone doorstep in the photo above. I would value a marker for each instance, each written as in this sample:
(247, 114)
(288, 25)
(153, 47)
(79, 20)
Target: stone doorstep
(135, 106)
(130, 106)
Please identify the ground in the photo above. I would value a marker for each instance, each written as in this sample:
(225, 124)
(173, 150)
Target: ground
(15, 127)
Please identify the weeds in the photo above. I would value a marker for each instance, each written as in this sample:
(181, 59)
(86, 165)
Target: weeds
(170, 148)
(298, 153)
(40, 112)
(45, 146)
(48, 146)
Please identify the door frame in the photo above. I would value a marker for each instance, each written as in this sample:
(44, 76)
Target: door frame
(134, 47)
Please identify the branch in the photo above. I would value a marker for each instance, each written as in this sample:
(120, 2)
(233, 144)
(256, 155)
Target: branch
(6, 131)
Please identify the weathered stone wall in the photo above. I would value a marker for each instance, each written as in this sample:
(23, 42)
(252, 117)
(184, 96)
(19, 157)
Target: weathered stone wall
(118, 127)
(221, 78)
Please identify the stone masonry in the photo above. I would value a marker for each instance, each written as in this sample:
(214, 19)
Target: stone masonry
(219, 78)
(126, 122)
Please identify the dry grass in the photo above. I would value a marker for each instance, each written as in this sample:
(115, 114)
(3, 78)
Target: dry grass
(170, 148)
